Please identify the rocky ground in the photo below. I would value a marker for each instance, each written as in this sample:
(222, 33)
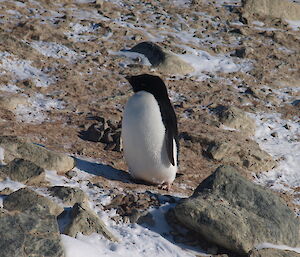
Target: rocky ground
(228, 67)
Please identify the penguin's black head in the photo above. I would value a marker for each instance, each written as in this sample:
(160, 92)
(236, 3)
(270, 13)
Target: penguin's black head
(149, 83)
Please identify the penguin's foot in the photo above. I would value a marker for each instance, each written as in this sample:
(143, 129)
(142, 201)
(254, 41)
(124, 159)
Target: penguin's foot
(165, 186)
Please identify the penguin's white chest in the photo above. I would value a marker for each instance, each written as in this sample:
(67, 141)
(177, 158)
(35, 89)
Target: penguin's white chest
(144, 143)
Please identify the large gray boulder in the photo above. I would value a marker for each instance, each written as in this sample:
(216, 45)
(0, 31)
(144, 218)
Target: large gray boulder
(85, 221)
(162, 60)
(29, 234)
(284, 9)
(23, 171)
(236, 214)
(15, 147)
(25, 199)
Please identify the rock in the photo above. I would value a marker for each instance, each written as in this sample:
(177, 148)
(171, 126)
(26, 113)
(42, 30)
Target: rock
(175, 65)
(237, 214)
(15, 147)
(274, 134)
(69, 195)
(146, 218)
(162, 60)
(283, 9)
(132, 205)
(236, 118)
(244, 153)
(273, 253)
(87, 222)
(25, 199)
(28, 234)
(93, 133)
(23, 171)
(240, 52)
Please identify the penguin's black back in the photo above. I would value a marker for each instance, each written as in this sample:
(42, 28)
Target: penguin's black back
(155, 86)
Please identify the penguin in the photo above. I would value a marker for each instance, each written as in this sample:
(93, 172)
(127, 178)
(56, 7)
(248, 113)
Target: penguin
(149, 132)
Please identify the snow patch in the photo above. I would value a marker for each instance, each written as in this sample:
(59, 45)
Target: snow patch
(13, 185)
(38, 104)
(10, 88)
(279, 247)
(55, 50)
(2, 156)
(22, 69)
(285, 148)
(135, 241)
(295, 25)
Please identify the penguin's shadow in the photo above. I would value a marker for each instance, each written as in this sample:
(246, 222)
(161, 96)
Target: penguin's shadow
(105, 171)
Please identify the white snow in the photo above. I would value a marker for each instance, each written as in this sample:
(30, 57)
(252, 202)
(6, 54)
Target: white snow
(55, 50)
(13, 185)
(295, 25)
(258, 23)
(280, 247)
(285, 148)
(22, 69)
(135, 241)
(7, 183)
(35, 111)
(204, 62)
(2, 156)
(10, 88)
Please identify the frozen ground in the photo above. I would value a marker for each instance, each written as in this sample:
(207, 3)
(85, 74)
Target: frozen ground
(143, 240)
(280, 138)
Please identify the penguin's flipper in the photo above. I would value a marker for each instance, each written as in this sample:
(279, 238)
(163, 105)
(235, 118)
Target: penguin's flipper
(170, 122)
(169, 144)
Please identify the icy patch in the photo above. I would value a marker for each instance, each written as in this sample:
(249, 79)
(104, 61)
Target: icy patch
(34, 112)
(204, 62)
(228, 2)
(295, 25)
(181, 2)
(227, 128)
(10, 88)
(135, 241)
(22, 69)
(285, 94)
(7, 183)
(2, 156)
(55, 50)
(54, 179)
(258, 23)
(283, 147)
(84, 1)
(13, 185)
(279, 247)
(81, 33)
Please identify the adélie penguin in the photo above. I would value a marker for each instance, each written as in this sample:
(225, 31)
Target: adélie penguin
(149, 132)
